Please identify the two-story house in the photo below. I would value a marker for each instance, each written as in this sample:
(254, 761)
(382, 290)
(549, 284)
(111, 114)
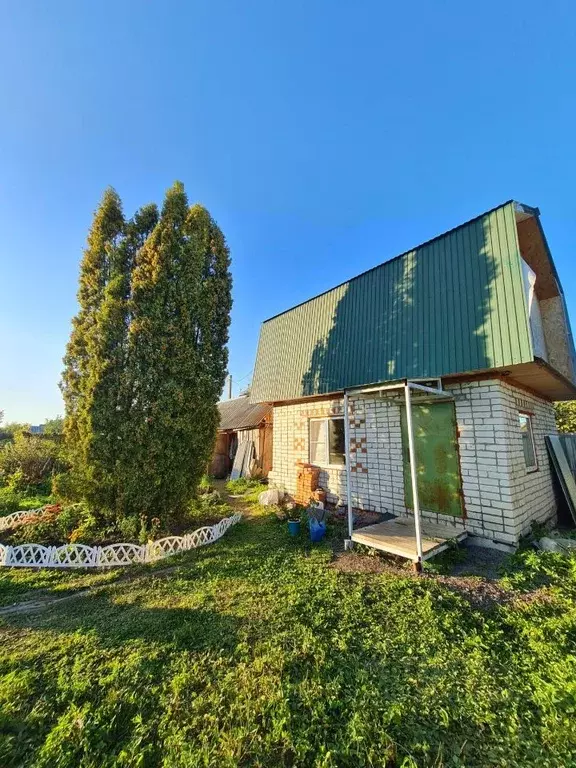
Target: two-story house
(476, 315)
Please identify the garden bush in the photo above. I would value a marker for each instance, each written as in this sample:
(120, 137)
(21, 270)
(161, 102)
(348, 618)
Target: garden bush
(12, 501)
(73, 523)
(9, 501)
(206, 508)
(67, 486)
(28, 461)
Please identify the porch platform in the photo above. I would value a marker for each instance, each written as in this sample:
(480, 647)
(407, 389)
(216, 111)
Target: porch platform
(398, 537)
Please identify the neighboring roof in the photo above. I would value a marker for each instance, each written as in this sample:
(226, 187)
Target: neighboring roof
(454, 304)
(242, 413)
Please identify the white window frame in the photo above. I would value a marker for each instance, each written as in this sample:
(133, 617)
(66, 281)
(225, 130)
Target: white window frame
(528, 417)
(326, 462)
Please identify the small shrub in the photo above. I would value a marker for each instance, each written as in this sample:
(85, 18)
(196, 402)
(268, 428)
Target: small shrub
(128, 528)
(240, 485)
(57, 525)
(9, 501)
(28, 461)
(77, 524)
(15, 482)
(204, 485)
(143, 532)
(212, 499)
(527, 569)
(39, 530)
(67, 487)
(206, 508)
(147, 530)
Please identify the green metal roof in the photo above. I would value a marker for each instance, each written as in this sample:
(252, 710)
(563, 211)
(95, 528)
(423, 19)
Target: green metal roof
(452, 305)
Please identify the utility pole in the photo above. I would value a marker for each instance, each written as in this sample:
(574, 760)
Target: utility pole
(229, 386)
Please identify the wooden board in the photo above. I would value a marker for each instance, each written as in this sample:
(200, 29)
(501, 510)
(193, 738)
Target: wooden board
(266, 448)
(568, 442)
(238, 468)
(563, 472)
(398, 537)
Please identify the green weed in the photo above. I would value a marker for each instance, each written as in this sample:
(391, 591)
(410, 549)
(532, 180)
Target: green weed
(254, 651)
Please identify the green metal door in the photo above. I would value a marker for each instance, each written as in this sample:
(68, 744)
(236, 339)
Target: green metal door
(438, 465)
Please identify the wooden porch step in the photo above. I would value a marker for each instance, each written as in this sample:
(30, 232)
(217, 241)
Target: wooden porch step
(398, 537)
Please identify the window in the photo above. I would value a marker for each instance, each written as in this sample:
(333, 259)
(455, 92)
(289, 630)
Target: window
(528, 441)
(327, 441)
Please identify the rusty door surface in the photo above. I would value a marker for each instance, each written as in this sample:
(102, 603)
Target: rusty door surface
(438, 462)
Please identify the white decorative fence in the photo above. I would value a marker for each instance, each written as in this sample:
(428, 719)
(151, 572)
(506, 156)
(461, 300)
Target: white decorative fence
(10, 520)
(82, 556)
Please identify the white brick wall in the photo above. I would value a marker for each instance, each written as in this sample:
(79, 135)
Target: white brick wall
(501, 499)
(532, 495)
(291, 444)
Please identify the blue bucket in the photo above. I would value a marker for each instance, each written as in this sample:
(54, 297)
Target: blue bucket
(294, 527)
(317, 530)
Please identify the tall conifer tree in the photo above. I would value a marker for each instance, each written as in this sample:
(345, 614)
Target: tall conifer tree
(177, 357)
(107, 399)
(77, 378)
(147, 356)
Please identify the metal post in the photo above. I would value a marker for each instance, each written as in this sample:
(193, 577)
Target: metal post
(348, 468)
(413, 474)
(230, 387)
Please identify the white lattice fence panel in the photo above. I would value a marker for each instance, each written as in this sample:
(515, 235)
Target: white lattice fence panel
(74, 556)
(8, 521)
(28, 554)
(83, 556)
(121, 554)
(171, 545)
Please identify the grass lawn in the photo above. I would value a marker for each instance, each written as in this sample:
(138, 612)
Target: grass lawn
(259, 651)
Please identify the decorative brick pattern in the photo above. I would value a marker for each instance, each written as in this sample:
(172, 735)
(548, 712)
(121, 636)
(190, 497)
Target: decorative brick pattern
(501, 498)
(291, 425)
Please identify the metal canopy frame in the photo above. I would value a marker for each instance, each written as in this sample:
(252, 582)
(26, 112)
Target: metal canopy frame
(407, 386)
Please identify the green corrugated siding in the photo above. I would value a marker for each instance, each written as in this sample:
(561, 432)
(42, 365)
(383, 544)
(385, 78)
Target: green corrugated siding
(453, 305)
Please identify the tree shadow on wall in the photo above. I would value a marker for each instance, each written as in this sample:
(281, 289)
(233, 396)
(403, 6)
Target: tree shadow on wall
(423, 315)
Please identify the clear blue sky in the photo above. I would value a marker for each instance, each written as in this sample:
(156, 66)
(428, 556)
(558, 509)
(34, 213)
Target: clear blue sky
(324, 136)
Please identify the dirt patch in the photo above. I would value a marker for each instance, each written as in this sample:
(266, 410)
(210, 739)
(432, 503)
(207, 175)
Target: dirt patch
(481, 591)
(353, 562)
(39, 604)
(481, 561)
(484, 593)
(362, 517)
(43, 600)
